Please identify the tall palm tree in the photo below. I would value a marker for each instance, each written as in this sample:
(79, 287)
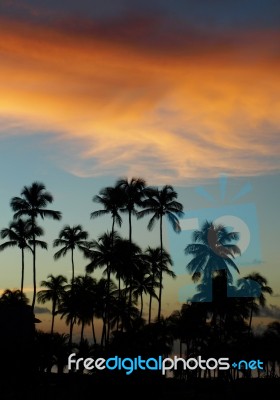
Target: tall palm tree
(158, 260)
(143, 283)
(112, 199)
(162, 203)
(20, 234)
(254, 286)
(71, 238)
(85, 293)
(213, 250)
(68, 308)
(102, 254)
(126, 315)
(55, 288)
(32, 203)
(133, 192)
(104, 301)
(125, 267)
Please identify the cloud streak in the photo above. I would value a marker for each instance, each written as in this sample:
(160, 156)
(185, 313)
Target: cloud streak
(188, 107)
(271, 311)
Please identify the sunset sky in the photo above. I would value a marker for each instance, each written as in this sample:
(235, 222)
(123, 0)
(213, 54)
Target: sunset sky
(177, 92)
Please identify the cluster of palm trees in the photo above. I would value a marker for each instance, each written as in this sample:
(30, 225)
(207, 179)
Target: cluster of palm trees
(217, 319)
(136, 272)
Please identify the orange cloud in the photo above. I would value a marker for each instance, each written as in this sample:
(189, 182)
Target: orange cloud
(178, 114)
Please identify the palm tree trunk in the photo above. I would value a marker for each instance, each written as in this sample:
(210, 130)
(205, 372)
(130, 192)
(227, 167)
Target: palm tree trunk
(107, 304)
(150, 302)
(251, 318)
(72, 283)
(71, 332)
(103, 336)
(119, 299)
(160, 274)
(150, 308)
(130, 227)
(34, 266)
(72, 260)
(82, 332)
(53, 315)
(141, 309)
(52, 324)
(93, 330)
(22, 272)
(130, 274)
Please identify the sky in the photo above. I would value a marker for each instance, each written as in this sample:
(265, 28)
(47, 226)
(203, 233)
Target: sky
(179, 93)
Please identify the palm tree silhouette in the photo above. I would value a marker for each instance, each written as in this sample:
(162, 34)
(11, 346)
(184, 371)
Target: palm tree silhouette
(85, 293)
(60, 351)
(112, 199)
(162, 203)
(20, 234)
(158, 260)
(68, 308)
(55, 288)
(32, 203)
(125, 314)
(133, 192)
(124, 267)
(212, 250)
(71, 238)
(254, 286)
(102, 254)
(104, 302)
(13, 297)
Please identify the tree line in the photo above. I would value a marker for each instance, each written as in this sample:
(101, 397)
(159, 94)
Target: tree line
(211, 321)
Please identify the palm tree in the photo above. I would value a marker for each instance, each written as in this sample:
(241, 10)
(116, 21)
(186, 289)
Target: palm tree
(60, 351)
(254, 286)
(112, 199)
(213, 253)
(13, 297)
(71, 238)
(85, 292)
(158, 260)
(55, 288)
(102, 254)
(226, 310)
(143, 283)
(20, 234)
(32, 203)
(68, 308)
(162, 203)
(126, 315)
(133, 192)
(125, 267)
(104, 302)
(212, 250)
